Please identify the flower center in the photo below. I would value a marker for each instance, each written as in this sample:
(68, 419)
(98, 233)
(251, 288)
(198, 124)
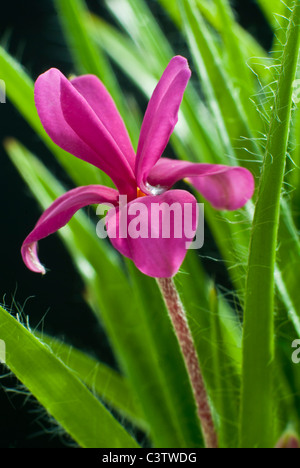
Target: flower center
(140, 194)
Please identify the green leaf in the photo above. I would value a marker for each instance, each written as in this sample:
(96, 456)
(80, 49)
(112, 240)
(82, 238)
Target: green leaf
(254, 54)
(217, 335)
(238, 67)
(258, 343)
(221, 95)
(180, 403)
(293, 178)
(147, 34)
(101, 379)
(272, 10)
(63, 395)
(226, 377)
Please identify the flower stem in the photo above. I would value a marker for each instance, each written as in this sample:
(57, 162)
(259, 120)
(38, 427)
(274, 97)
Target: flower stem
(185, 339)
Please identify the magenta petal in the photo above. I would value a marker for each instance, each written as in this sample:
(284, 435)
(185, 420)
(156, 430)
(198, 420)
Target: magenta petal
(161, 117)
(97, 96)
(59, 214)
(146, 240)
(72, 124)
(225, 187)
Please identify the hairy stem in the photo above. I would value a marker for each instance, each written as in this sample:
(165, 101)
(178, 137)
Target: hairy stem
(184, 336)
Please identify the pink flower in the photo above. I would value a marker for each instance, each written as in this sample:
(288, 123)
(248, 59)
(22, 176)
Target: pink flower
(81, 117)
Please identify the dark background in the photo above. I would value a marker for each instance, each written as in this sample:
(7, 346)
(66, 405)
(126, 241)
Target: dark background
(30, 32)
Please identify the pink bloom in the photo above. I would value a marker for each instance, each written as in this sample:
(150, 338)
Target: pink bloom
(81, 117)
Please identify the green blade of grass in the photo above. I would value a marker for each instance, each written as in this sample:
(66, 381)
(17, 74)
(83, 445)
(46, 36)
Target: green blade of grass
(131, 15)
(64, 396)
(238, 67)
(226, 372)
(218, 86)
(258, 343)
(288, 256)
(254, 54)
(293, 177)
(146, 291)
(272, 10)
(108, 384)
(216, 351)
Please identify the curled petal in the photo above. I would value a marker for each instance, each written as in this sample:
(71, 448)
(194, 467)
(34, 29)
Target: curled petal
(161, 117)
(59, 214)
(155, 232)
(225, 187)
(73, 124)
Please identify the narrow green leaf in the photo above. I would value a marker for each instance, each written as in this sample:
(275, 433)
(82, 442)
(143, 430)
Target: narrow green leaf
(272, 10)
(220, 350)
(222, 96)
(147, 34)
(124, 52)
(293, 178)
(101, 379)
(181, 401)
(253, 52)
(258, 343)
(288, 255)
(238, 67)
(63, 395)
(226, 379)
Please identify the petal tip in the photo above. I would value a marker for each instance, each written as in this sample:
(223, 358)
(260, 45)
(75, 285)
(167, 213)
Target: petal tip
(46, 75)
(31, 260)
(183, 63)
(180, 60)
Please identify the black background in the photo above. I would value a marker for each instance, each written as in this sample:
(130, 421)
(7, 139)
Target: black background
(31, 32)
